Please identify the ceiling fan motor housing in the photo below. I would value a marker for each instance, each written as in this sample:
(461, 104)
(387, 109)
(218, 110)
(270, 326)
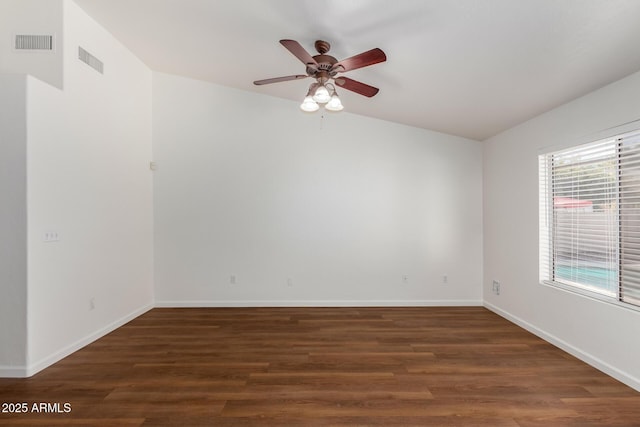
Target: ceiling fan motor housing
(324, 68)
(324, 62)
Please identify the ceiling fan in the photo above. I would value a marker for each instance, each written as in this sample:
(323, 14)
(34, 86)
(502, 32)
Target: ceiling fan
(324, 68)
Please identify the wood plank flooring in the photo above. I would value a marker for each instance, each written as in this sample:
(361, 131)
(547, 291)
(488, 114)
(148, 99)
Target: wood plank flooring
(441, 366)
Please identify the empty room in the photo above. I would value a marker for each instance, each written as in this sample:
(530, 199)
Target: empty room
(297, 213)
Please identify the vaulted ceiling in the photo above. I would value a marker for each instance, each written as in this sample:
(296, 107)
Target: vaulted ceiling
(471, 68)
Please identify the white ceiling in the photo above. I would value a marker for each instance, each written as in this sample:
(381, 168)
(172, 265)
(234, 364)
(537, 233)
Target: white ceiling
(471, 68)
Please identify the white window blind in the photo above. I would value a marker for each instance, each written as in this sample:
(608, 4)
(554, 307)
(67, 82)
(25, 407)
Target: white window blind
(590, 218)
(629, 183)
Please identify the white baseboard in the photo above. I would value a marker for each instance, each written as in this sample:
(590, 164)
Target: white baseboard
(13, 371)
(321, 303)
(61, 354)
(597, 363)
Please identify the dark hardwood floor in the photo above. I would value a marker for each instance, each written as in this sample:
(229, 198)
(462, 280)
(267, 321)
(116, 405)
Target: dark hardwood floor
(462, 366)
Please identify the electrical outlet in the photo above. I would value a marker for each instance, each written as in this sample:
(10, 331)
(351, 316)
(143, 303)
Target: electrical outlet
(232, 279)
(445, 279)
(496, 287)
(50, 236)
(405, 279)
(289, 282)
(92, 303)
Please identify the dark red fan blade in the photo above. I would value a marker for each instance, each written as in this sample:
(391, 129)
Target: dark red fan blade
(280, 79)
(356, 86)
(364, 59)
(299, 52)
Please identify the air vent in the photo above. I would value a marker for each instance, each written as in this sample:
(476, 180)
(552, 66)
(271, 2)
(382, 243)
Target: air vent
(33, 42)
(90, 60)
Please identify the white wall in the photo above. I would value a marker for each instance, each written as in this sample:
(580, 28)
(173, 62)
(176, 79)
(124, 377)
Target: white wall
(250, 186)
(35, 17)
(13, 224)
(89, 148)
(604, 335)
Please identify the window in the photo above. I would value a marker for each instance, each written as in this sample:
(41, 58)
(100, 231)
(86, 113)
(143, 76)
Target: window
(590, 218)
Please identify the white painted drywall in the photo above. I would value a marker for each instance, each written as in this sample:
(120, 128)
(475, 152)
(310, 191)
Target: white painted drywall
(304, 210)
(34, 17)
(600, 333)
(89, 148)
(13, 224)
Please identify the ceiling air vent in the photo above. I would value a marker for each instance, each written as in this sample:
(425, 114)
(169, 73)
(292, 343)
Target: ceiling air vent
(90, 60)
(33, 42)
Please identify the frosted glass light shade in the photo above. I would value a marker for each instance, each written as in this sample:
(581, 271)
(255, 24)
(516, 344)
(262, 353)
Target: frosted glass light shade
(334, 104)
(309, 105)
(322, 95)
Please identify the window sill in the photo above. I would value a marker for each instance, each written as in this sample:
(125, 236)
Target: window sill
(590, 295)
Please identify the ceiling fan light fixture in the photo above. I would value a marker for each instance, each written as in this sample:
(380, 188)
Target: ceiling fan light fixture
(334, 104)
(322, 95)
(309, 105)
